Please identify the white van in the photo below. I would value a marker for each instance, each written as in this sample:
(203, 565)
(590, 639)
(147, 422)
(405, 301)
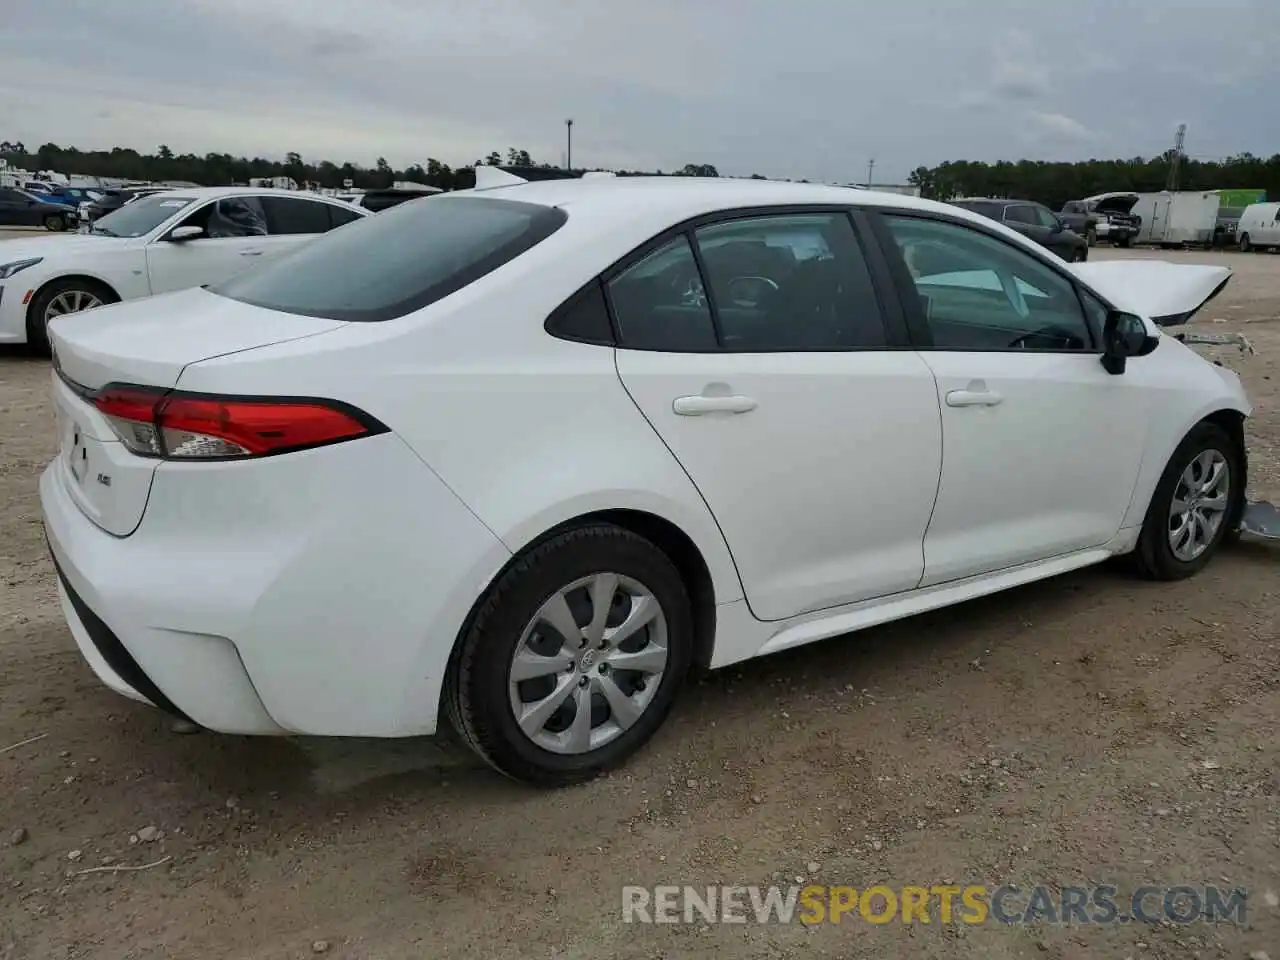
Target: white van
(1259, 226)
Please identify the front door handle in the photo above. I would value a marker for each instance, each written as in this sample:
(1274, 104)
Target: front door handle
(696, 406)
(973, 398)
(250, 253)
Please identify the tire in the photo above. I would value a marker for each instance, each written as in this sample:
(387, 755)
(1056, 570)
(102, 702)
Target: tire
(480, 695)
(55, 223)
(37, 324)
(1079, 255)
(1124, 242)
(1154, 556)
(1091, 236)
(1245, 245)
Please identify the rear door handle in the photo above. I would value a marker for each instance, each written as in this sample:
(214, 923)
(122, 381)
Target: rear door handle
(973, 398)
(696, 406)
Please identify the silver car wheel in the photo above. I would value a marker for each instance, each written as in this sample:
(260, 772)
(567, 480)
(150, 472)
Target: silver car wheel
(588, 664)
(1199, 507)
(71, 301)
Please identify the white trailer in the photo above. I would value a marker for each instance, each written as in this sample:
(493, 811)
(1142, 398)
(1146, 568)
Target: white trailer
(1184, 217)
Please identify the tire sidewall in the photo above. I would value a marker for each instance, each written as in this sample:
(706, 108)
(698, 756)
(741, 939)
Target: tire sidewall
(600, 549)
(1156, 548)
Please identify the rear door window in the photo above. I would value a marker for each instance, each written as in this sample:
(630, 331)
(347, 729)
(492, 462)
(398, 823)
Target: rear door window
(401, 260)
(660, 302)
(790, 282)
(287, 215)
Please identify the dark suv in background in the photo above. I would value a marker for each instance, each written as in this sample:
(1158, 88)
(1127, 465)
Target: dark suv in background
(1034, 221)
(113, 199)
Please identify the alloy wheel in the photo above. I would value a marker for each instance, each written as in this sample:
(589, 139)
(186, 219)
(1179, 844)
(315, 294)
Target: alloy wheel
(1199, 506)
(71, 301)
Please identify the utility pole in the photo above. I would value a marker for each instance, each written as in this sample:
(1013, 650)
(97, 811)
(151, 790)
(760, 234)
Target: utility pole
(1176, 160)
(871, 166)
(568, 143)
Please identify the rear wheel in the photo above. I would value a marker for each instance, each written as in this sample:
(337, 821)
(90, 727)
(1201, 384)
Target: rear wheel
(1192, 509)
(1079, 254)
(71, 295)
(574, 657)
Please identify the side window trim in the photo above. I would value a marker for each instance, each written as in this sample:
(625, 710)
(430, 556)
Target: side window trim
(918, 324)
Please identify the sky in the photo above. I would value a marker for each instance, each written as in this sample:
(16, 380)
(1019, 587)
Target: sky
(800, 89)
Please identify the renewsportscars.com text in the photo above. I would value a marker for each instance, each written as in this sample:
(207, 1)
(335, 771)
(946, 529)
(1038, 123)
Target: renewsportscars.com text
(942, 903)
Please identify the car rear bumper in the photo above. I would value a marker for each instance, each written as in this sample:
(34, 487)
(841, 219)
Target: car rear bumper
(314, 593)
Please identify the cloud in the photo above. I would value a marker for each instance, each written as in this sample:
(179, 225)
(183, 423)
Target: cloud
(1020, 70)
(809, 89)
(1060, 125)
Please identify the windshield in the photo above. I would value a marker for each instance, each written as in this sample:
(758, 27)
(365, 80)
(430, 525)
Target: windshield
(139, 218)
(385, 266)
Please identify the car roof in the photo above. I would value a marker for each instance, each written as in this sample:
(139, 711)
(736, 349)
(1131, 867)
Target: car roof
(685, 197)
(210, 193)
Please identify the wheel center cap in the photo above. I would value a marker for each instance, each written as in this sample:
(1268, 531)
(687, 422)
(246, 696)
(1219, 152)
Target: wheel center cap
(587, 660)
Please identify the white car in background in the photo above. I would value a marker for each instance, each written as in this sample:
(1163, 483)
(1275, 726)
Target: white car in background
(524, 456)
(167, 241)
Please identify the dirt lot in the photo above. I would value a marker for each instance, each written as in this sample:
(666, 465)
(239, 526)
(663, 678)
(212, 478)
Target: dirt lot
(1090, 729)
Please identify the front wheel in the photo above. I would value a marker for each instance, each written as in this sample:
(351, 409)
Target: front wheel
(55, 223)
(573, 658)
(1193, 507)
(1124, 242)
(1245, 245)
(1079, 255)
(62, 296)
(1091, 236)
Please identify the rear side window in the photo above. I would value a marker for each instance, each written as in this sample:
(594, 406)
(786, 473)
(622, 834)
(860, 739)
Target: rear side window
(338, 216)
(660, 302)
(403, 259)
(287, 215)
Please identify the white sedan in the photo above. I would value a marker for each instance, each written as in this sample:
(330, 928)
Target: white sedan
(526, 456)
(166, 241)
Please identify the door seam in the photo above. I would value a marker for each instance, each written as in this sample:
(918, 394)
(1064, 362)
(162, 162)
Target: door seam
(696, 489)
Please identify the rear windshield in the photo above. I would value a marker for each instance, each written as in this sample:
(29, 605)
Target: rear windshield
(383, 267)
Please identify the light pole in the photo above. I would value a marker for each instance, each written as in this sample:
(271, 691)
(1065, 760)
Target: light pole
(568, 143)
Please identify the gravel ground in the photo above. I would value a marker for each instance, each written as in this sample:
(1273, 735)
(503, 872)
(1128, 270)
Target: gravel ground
(1088, 729)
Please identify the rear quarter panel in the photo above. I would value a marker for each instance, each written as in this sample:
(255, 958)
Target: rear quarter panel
(528, 430)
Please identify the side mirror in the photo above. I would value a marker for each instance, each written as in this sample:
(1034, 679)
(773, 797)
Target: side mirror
(1059, 226)
(183, 234)
(1123, 336)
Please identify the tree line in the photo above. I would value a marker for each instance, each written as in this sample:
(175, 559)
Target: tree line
(222, 169)
(1049, 182)
(1056, 183)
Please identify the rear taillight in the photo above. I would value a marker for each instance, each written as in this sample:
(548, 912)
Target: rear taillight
(189, 426)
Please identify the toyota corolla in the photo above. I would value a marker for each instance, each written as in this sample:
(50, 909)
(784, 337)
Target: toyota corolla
(524, 457)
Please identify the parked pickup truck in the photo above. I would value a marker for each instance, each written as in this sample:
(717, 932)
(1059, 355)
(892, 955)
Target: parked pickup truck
(1104, 217)
(1080, 220)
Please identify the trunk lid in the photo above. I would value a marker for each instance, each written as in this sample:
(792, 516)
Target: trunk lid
(1166, 293)
(150, 341)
